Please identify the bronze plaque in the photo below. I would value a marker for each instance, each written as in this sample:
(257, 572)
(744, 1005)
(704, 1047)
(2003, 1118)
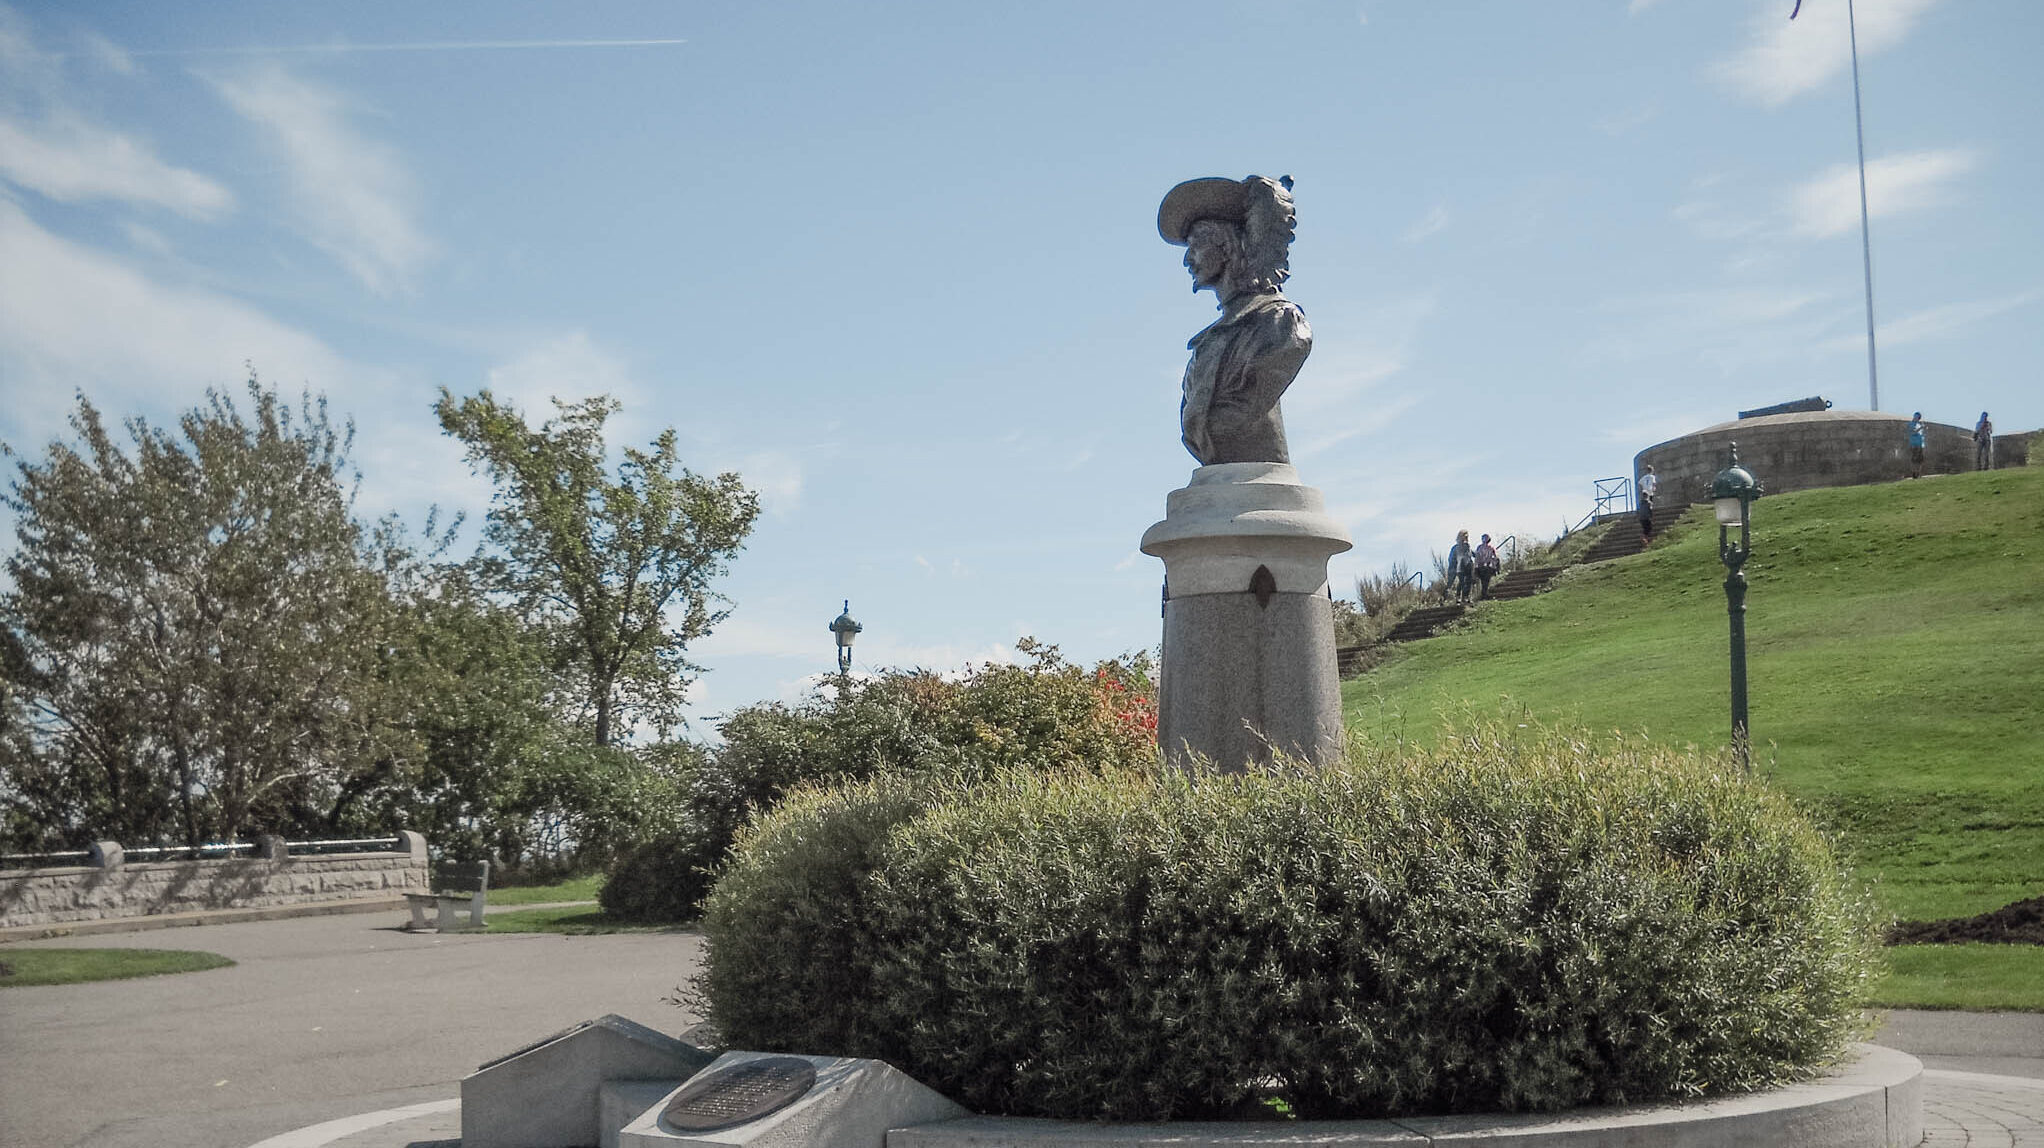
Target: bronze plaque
(739, 1094)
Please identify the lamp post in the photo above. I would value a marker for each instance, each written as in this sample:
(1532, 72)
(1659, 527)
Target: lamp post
(846, 630)
(1733, 492)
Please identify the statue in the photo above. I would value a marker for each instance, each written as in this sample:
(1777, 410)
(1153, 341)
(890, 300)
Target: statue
(1237, 237)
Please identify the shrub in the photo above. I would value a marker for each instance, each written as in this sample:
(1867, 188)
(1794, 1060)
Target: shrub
(1046, 713)
(661, 880)
(1505, 924)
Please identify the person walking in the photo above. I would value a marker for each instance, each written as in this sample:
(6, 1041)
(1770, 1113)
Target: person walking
(1648, 487)
(1916, 437)
(1983, 444)
(1461, 565)
(1486, 560)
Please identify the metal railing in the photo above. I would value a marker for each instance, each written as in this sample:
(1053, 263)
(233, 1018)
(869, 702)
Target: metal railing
(1613, 496)
(353, 845)
(187, 852)
(45, 860)
(210, 851)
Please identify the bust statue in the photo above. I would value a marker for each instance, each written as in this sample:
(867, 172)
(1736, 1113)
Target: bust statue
(1237, 237)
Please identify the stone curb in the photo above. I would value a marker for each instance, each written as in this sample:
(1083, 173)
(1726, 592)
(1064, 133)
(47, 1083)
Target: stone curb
(200, 917)
(1875, 1100)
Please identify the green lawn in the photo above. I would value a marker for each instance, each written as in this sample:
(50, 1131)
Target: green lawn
(1980, 977)
(77, 966)
(571, 919)
(573, 889)
(1896, 654)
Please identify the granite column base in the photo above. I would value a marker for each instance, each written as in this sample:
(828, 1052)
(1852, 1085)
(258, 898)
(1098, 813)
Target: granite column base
(1249, 668)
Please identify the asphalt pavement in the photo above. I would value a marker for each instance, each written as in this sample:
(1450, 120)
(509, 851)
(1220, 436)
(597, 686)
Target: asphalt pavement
(321, 1018)
(345, 1030)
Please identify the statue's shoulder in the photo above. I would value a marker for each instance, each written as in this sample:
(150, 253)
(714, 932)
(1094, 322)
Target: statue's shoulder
(1280, 315)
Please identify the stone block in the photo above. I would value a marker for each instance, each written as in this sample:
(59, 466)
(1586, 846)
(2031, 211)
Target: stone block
(619, 1102)
(853, 1104)
(549, 1094)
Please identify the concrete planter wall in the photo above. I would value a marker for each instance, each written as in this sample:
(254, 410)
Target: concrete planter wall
(1873, 1101)
(119, 889)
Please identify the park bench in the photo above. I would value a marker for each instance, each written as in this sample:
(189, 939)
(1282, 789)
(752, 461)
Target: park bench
(456, 887)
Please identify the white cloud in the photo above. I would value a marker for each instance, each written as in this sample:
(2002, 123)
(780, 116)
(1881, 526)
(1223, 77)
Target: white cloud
(1433, 222)
(1644, 432)
(1934, 322)
(777, 477)
(343, 48)
(1784, 58)
(1712, 220)
(568, 366)
(1620, 122)
(355, 194)
(146, 239)
(68, 159)
(1829, 203)
(1730, 330)
(1637, 6)
(1370, 420)
(75, 318)
(108, 54)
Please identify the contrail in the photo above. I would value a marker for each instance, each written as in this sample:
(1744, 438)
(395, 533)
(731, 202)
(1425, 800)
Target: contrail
(341, 48)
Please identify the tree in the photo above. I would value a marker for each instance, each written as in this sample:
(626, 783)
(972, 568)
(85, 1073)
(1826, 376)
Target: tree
(617, 570)
(192, 628)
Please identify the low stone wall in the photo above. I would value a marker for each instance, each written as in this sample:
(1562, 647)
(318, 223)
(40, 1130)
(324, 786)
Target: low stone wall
(119, 889)
(1806, 450)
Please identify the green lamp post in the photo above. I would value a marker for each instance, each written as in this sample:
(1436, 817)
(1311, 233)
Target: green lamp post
(1733, 492)
(845, 629)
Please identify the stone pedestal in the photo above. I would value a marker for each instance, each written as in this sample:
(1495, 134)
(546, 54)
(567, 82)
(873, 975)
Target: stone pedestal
(1248, 630)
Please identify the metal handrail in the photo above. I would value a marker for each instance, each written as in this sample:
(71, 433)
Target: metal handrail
(159, 852)
(1608, 491)
(35, 860)
(213, 849)
(349, 845)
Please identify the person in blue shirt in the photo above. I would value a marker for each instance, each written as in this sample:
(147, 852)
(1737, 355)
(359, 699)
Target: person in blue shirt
(1461, 566)
(1916, 436)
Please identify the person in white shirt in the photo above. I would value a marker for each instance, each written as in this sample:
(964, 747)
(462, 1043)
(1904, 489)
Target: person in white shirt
(1648, 487)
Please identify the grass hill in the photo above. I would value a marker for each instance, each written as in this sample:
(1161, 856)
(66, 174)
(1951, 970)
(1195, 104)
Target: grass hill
(1895, 645)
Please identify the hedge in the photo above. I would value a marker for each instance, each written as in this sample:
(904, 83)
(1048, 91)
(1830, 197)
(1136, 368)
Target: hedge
(1512, 923)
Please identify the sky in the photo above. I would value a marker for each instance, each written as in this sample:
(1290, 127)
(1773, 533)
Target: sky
(896, 264)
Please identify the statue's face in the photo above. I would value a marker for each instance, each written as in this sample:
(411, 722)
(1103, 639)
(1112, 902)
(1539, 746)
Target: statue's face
(1206, 256)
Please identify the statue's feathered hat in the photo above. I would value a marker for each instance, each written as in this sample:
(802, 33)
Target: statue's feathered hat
(1261, 207)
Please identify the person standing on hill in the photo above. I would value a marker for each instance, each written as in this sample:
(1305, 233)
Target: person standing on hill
(1461, 565)
(1648, 487)
(1916, 436)
(1983, 444)
(1486, 559)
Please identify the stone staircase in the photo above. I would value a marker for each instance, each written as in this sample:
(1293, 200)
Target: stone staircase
(1522, 583)
(1621, 539)
(1422, 623)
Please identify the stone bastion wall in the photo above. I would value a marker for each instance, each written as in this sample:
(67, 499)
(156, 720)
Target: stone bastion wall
(116, 888)
(1811, 449)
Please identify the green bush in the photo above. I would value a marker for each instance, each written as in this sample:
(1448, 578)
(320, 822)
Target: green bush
(1047, 713)
(1507, 924)
(658, 881)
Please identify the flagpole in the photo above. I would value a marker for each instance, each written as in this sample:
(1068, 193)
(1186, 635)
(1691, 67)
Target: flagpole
(1866, 242)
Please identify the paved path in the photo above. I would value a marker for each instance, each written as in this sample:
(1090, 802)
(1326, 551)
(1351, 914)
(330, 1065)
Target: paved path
(323, 1018)
(1972, 1108)
(345, 1032)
